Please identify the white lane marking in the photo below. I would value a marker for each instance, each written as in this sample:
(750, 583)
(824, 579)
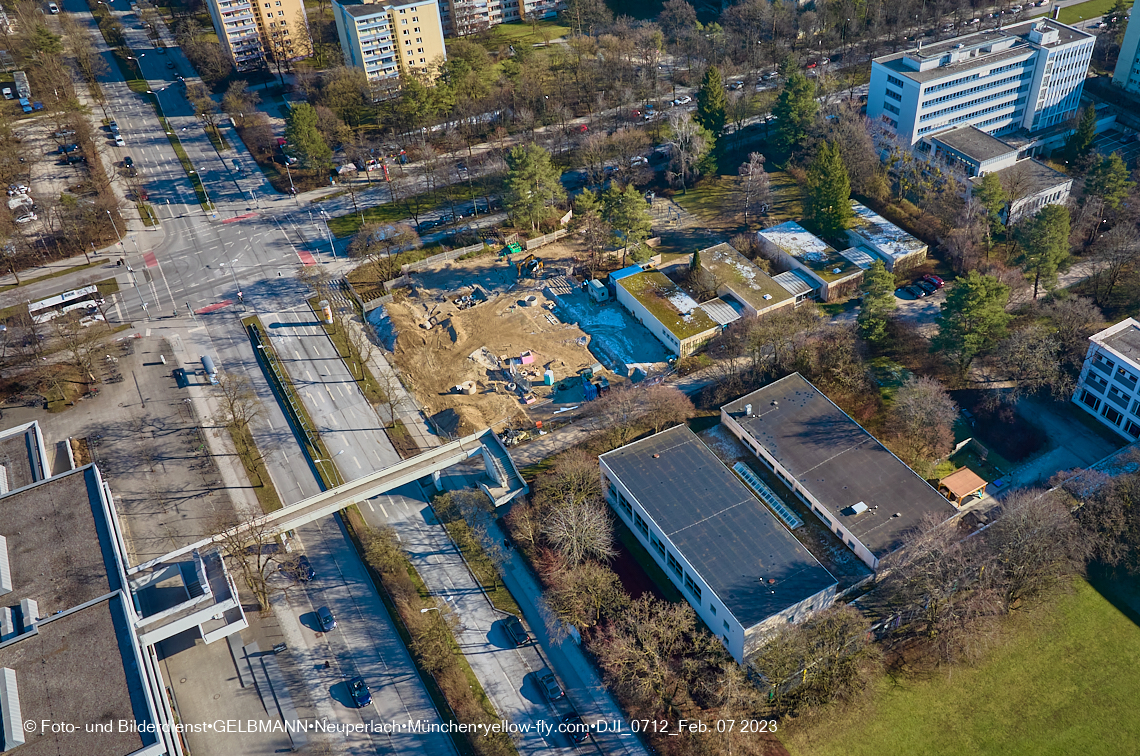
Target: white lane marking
(385, 511)
(357, 461)
(374, 508)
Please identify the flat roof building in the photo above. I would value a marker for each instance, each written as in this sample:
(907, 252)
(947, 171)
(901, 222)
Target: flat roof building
(797, 248)
(23, 457)
(671, 315)
(1108, 387)
(739, 568)
(1026, 76)
(859, 489)
(741, 279)
(252, 35)
(886, 241)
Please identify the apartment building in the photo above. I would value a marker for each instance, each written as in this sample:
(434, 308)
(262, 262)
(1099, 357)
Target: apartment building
(1107, 389)
(383, 39)
(258, 32)
(463, 17)
(1027, 76)
(1127, 73)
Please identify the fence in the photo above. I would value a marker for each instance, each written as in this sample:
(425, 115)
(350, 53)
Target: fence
(546, 239)
(441, 257)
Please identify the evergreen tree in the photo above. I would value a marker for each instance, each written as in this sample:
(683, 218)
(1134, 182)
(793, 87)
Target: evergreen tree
(827, 200)
(993, 197)
(1108, 179)
(589, 221)
(1117, 16)
(628, 214)
(1081, 141)
(695, 262)
(711, 102)
(972, 319)
(305, 139)
(795, 110)
(1044, 243)
(878, 302)
(533, 185)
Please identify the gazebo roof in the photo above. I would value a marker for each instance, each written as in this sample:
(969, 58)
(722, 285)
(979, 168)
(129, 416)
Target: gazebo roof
(963, 483)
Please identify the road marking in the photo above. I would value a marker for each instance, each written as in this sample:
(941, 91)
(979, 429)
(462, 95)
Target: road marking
(357, 461)
(308, 375)
(385, 511)
(372, 507)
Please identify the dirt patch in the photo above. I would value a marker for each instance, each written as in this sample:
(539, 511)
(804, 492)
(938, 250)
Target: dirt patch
(1001, 429)
(442, 344)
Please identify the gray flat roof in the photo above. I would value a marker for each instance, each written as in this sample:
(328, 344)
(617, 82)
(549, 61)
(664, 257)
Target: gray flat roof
(716, 523)
(839, 462)
(973, 143)
(58, 547)
(80, 668)
(1031, 174)
(19, 454)
(1126, 341)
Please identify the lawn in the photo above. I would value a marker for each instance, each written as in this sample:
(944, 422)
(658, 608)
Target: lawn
(712, 198)
(509, 34)
(1065, 681)
(393, 212)
(1087, 10)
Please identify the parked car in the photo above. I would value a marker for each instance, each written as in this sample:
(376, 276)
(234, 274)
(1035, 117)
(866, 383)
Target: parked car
(637, 160)
(119, 141)
(305, 570)
(28, 217)
(915, 291)
(53, 8)
(938, 282)
(575, 728)
(128, 161)
(325, 617)
(684, 100)
(516, 631)
(67, 149)
(361, 695)
(550, 687)
(180, 378)
(927, 287)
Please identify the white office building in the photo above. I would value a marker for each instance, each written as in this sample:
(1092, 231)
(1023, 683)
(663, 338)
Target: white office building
(1108, 388)
(1026, 76)
(1127, 73)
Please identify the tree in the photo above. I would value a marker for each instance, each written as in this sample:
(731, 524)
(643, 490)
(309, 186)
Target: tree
(574, 477)
(583, 594)
(691, 144)
(1044, 241)
(1032, 359)
(304, 138)
(795, 110)
(584, 16)
(1114, 253)
(627, 213)
(1080, 143)
(754, 188)
(204, 105)
(827, 197)
(711, 102)
(666, 406)
(239, 100)
(972, 320)
(1117, 16)
(1108, 179)
(991, 194)
(878, 302)
(922, 414)
(383, 241)
(588, 220)
(44, 43)
(580, 530)
(533, 185)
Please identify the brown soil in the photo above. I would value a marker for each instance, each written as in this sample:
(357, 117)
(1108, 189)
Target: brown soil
(437, 339)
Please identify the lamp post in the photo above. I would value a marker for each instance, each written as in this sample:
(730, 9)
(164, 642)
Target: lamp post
(318, 461)
(328, 232)
(112, 219)
(139, 64)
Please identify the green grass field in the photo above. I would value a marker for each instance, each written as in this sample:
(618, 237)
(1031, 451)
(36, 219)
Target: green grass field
(1066, 680)
(713, 197)
(1087, 10)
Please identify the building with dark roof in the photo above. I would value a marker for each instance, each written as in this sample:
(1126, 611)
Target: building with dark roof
(860, 490)
(23, 457)
(742, 571)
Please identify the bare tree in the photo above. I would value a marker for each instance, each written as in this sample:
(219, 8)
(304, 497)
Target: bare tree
(689, 144)
(252, 545)
(381, 245)
(1032, 358)
(666, 406)
(574, 477)
(1116, 252)
(923, 414)
(580, 530)
(583, 594)
(754, 190)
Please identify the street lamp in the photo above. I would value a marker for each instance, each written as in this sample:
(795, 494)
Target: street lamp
(429, 609)
(139, 64)
(112, 219)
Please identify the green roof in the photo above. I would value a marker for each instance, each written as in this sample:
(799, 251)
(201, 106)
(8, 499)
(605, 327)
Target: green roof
(665, 301)
(743, 278)
(812, 252)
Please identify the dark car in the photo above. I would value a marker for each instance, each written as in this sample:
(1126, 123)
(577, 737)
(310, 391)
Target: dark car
(325, 617)
(915, 291)
(305, 570)
(931, 278)
(575, 729)
(550, 687)
(516, 631)
(926, 286)
(128, 161)
(361, 695)
(180, 378)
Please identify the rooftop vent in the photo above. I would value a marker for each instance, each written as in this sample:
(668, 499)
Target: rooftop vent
(837, 271)
(767, 296)
(775, 403)
(656, 456)
(748, 410)
(858, 508)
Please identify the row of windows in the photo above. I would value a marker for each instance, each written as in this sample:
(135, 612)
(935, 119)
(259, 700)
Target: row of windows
(896, 81)
(979, 88)
(891, 108)
(969, 104)
(893, 94)
(1111, 414)
(947, 84)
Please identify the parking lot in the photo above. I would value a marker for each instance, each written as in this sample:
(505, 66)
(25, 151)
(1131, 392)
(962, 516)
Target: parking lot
(1113, 140)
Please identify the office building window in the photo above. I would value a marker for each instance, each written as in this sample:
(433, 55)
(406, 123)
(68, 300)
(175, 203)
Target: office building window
(640, 523)
(712, 608)
(1132, 429)
(725, 623)
(657, 545)
(693, 587)
(1111, 415)
(896, 81)
(674, 565)
(1089, 400)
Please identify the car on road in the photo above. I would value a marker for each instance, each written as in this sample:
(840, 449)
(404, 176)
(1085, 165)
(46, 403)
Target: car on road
(550, 687)
(119, 141)
(358, 689)
(180, 378)
(516, 631)
(129, 161)
(305, 571)
(938, 282)
(575, 728)
(326, 618)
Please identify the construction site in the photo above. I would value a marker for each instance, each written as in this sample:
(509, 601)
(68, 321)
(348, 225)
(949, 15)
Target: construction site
(512, 338)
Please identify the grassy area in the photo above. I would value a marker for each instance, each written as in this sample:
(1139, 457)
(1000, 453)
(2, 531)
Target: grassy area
(482, 567)
(349, 224)
(146, 213)
(1065, 680)
(709, 199)
(1085, 11)
(351, 357)
(218, 139)
(522, 31)
(402, 440)
(258, 476)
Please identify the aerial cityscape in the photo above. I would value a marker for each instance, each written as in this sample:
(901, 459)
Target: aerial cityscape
(624, 377)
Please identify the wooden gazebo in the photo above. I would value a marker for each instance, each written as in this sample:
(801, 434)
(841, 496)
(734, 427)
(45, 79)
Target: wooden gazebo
(962, 484)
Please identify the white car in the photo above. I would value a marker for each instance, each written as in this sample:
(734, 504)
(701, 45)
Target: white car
(28, 218)
(53, 8)
(684, 100)
(119, 141)
(637, 160)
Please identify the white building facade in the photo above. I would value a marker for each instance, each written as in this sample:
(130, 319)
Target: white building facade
(1127, 73)
(1027, 76)
(1108, 388)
